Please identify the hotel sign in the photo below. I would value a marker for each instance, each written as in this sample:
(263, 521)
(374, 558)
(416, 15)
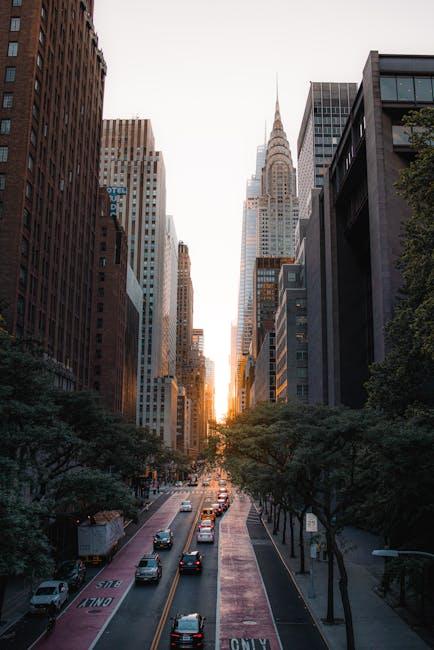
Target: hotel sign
(113, 193)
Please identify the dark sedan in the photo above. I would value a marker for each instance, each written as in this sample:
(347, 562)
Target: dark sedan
(73, 572)
(163, 539)
(187, 631)
(190, 562)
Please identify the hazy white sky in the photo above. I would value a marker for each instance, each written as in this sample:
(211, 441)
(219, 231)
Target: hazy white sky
(204, 72)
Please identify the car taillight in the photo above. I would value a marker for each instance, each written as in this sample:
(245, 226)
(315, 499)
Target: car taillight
(175, 635)
(198, 636)
(197, 562)
(181, 562)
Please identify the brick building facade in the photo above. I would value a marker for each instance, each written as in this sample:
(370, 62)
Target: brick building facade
(51, 92)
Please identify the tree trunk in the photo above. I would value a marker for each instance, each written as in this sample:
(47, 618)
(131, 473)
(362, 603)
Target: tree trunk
(270, 513)
(291, 528)
(330, 617)
(402, 594)
(301, 543)
(3, 585)
(284, 528)
(343, 588)
(276, 525)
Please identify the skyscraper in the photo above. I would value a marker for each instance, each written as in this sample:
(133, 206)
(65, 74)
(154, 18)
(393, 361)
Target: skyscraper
(129, 160)
(184, 330)
(327, 108)
(248, 255)
(52, 87)
(278, 203)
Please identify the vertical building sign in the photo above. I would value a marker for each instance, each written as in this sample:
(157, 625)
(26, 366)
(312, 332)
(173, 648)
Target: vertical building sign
(113, 193)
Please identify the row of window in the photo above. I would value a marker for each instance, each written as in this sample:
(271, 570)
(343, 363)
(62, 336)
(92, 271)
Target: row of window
(407, 89)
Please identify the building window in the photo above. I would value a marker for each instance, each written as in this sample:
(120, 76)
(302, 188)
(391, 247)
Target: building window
(39, 61)
(37, 86)
(103, 261)
(30, 163)
(17, 3)
(29, 191)
(302, 373)
(10, 74)
(99, 323)
(100, 307)
(302, 390)
(5, 127)
(15, 24)
(4, 152)
(26, 218)
(405, 87)
(2, 181)
(13, 48)
(424, 89)
(8, 100)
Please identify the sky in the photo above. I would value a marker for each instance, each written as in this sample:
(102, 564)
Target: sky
(204, 72)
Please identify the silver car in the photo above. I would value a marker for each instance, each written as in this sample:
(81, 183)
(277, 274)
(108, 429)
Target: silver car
(50, 592)
(149, 569)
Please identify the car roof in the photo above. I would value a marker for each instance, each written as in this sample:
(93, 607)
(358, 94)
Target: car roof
(194, 615)
(149, 556)
(191, 553)
(163, 530)
(50, 583)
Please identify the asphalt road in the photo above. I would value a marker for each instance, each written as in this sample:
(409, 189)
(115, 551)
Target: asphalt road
(133, 626)
(198, 593)
(294, 623)
(21, 635)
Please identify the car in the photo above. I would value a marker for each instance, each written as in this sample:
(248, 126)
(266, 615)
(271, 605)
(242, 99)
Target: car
(224, 504)
(205, 534)
(206, 523)
(179, 484)
(223, 495)
(73, 571)
(163, 539)
(149, 569)
(190, 562)
(207, 512)
(49, 592)
(205, 483)
(187, 631)
(217, 509)
(222, 483)
(186, 506)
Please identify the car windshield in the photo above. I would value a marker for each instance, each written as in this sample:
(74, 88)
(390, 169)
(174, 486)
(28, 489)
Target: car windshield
(187, 625)
(189, 558)
(186, 503)
(46, 591)
(151, 563)
(163, 535)
(206, 529)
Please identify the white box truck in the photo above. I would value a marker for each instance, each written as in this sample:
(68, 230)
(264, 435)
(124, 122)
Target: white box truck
(99, 536)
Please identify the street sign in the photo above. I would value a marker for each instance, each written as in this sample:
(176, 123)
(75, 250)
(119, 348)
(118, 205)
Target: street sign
(249, 644)
(311, 523)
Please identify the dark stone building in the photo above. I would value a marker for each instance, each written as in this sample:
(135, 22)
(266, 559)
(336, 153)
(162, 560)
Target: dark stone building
(110, 307)
(355, 237)
(52, 84)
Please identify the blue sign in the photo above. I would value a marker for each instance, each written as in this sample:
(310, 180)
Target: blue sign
(113, 193)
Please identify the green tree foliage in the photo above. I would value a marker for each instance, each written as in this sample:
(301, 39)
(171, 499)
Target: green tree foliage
(404, 381)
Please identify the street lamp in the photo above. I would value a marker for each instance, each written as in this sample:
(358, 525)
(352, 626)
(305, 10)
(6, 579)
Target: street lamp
(386, 552)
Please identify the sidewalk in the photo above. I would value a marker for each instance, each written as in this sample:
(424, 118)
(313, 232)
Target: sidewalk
(376, 624)
(19, 589)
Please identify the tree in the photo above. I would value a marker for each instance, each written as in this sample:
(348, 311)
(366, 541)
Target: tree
(24, 547)
(404, 381)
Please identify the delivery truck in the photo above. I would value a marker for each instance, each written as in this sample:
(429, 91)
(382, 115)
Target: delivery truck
(98, 537)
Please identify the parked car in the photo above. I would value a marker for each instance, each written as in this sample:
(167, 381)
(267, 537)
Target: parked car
(50, 592)
(179, 484)
(217, 509)
(186, 506)
(205, 483)
(163, 539)
(190, 562)
(205, 534)
(73, 571)
(187, 631)
(149, 569)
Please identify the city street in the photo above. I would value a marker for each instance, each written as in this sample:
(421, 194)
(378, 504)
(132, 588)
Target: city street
(229, 592)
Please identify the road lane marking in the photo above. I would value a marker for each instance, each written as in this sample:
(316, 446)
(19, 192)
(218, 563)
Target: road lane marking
(172, 591)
